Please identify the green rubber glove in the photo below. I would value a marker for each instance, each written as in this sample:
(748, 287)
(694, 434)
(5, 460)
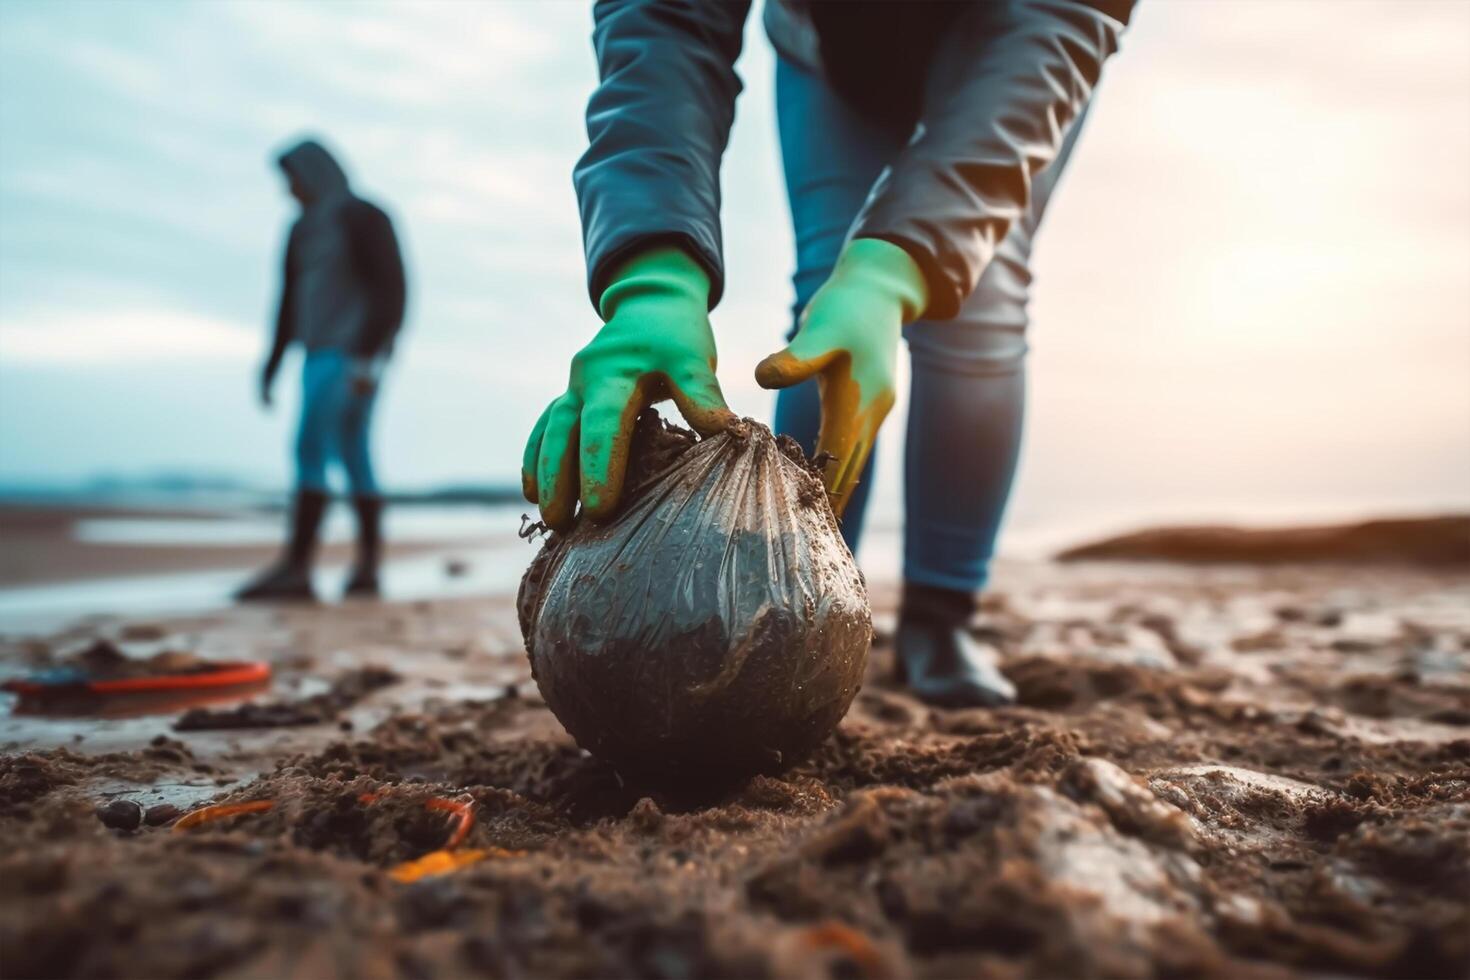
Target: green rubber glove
(848, 339)
(656, 344)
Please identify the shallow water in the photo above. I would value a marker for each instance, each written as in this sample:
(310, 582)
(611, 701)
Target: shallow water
(433, 523)
(33, 609)
(484, 568)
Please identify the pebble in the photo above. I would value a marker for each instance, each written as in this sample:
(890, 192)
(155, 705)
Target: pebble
(120, 814)
(161, 814)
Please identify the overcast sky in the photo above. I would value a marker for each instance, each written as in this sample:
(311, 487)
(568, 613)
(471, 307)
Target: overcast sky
(1253, 288)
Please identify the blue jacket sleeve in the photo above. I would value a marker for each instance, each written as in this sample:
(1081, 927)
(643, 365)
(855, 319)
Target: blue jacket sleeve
(657, 125)
(1009, 81)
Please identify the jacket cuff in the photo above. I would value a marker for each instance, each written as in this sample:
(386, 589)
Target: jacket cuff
(945, 295)
(605, 258)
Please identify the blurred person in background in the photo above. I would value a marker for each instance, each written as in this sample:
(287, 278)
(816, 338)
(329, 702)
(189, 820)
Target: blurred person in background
(920, 143)
(342, 299)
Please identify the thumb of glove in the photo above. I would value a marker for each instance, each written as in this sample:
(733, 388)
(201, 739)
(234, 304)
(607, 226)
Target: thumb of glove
(794, 363)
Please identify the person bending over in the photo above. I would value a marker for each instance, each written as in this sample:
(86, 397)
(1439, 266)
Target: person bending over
(921, 143)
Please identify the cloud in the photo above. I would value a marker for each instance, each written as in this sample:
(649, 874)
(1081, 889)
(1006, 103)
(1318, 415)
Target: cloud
(142, 336)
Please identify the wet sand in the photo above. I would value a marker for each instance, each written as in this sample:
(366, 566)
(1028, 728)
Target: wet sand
(1228, 772)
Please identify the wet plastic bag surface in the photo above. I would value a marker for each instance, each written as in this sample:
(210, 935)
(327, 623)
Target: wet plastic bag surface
(718, 623)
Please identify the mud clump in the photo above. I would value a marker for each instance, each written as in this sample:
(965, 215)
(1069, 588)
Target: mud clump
(717, 626)
(346, 691)
(101, 660)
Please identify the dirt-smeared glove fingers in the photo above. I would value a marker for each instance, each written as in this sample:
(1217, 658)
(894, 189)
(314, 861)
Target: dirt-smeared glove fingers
(529, 455)
(848, 340)
(607, 426)
(805, 357)
(555, 464)
(607, 429)
(696, 392)
(847, 440)
(656, 343)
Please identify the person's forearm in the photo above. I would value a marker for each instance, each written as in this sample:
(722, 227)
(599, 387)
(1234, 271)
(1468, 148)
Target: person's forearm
(285, 313)
(281, 339)
(1008, 84)
(657, 127)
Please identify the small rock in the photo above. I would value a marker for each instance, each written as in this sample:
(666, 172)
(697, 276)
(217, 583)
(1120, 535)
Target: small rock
(161, 814)
(120, 815)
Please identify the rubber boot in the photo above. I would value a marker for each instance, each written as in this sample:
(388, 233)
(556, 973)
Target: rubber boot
(289, 580)
(938, 658)
(364, 579)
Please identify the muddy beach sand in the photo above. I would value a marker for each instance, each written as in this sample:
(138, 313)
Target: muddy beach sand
(1229, 772)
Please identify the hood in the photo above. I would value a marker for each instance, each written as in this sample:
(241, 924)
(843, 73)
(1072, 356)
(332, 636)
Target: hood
(309, 163)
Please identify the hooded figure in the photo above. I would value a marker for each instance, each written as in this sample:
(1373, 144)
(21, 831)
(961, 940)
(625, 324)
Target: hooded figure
(342, 299)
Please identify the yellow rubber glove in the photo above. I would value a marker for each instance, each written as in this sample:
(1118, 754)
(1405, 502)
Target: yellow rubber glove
(656, 344)
(848, 339)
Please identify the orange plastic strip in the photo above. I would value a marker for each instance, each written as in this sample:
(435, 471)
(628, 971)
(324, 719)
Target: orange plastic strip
(847, 940)
(464, 814)
(210, 814)
(441, 861)
(464, 818)
(444, 862)
(225, 675)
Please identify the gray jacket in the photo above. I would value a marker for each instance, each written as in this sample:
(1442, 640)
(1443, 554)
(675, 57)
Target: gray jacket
(988, 88)
(343, 282)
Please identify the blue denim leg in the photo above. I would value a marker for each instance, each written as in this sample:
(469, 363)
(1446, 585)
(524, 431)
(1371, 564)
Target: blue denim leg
(966, 405)
(967, 398)
(831, 156)
(323, 389)
(963, 441)
(335, 424)
(357, 457)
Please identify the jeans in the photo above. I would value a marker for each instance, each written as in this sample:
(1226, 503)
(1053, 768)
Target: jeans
(334, 425)
(967, 391)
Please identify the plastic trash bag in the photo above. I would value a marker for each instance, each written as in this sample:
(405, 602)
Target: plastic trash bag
(718, 624)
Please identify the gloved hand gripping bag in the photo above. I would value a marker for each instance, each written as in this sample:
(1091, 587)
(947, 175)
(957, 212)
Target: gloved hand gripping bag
(718, 624)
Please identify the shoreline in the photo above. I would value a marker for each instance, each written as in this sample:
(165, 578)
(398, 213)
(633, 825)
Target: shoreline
(44, 546)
